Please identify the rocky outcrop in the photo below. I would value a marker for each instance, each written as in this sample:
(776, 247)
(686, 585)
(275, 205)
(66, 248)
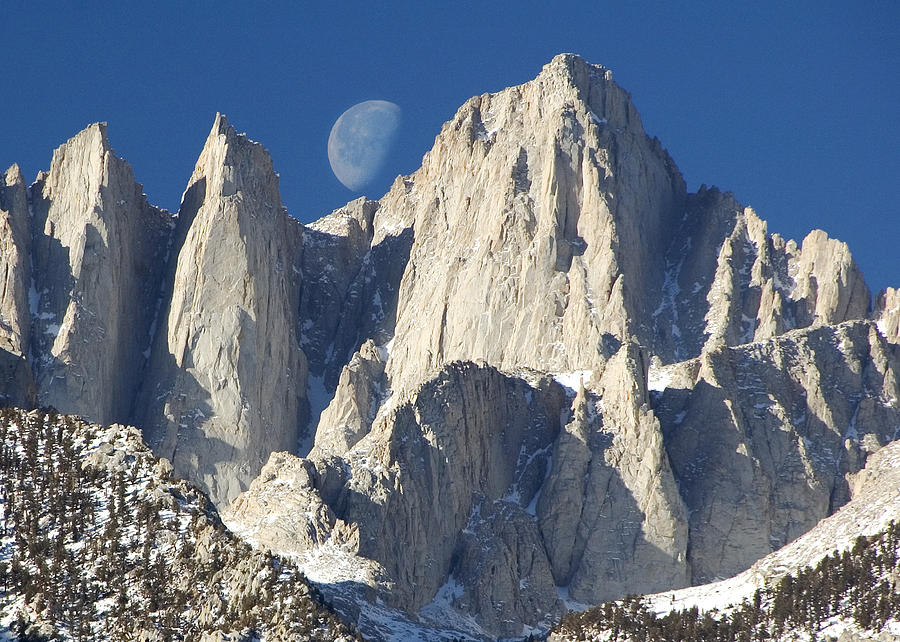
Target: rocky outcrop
(443, 484)
(828, 281)
(226, 381)
(729, 282)
(765, 438)
(15, 262)
(98, 256)
(502, 485)
(539, 216)
(361, 391)
(16, 381)
(334, 251)
(544, 214)
(887, 314)
(609, 513)
(373, 273)
(869, 514)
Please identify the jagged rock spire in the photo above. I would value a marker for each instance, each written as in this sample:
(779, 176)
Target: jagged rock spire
(227, 378)
(98, 257)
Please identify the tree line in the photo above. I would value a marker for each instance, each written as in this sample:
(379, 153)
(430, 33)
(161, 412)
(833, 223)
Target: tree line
(860, 584)
(116, 552)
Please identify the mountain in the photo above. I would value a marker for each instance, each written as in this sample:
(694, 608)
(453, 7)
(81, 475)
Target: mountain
(98, 541)
(538, 373)
(834, 582)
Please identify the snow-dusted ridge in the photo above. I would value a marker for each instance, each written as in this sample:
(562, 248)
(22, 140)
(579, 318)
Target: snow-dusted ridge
(98, 541)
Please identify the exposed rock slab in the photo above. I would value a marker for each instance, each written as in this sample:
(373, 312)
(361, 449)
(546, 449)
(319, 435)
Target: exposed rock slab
(227, 379)
(15, 262)
(334, 251)
(360, 393)
(98, 257)
(728, 281)
(407, 494)
(539, 216)
(16, 380)
(610, 513)
(484, 334)
(472, 479)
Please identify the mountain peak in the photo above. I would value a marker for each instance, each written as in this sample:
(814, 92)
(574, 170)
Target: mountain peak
(220, 124)
(228, 335)
(537, 370)
(230, 163)
(12, 176)
(573, 65)
(93, 137)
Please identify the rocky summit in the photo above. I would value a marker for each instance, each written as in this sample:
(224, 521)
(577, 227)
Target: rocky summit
(537, 375)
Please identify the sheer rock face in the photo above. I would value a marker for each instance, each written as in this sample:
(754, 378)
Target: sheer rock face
(468, 436)
(227, 377)
(335, 252)
(98, 256)
(15, 262)
(501, 483)
(16, 381)
(539, 216)
(609, 513)
(887, 314)
(764, 438)
(457, 462)
(361, 391)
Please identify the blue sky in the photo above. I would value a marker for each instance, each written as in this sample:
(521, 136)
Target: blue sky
(795, 107)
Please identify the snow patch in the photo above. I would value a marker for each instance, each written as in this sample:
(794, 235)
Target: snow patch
(34, 299)
(658, 379)
(384, 351)
(571, 381)
(597, 120)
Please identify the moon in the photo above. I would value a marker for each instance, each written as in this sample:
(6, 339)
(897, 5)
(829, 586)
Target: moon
(361, 140)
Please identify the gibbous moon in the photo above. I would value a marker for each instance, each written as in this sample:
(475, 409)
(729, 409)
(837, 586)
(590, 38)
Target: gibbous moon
(361, 140)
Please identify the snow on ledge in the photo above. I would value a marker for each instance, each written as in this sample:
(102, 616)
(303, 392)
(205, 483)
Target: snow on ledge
(572, 380)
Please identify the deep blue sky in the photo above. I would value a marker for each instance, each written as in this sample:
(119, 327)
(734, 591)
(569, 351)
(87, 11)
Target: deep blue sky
(793, 106)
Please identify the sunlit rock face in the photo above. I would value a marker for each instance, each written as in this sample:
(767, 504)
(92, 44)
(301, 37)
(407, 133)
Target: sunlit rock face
(765, 438)
(16, 381)
(728, 281)
(540, 216)
(546, 233)
(98, 256)
(226, 381)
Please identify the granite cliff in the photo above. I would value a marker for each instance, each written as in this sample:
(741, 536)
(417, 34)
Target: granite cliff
(537, 373)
